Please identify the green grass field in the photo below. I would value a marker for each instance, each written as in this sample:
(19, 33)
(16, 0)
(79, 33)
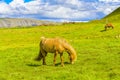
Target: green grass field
(98, 53)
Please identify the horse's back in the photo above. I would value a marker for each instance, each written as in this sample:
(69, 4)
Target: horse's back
(51, 44)
(109, 25)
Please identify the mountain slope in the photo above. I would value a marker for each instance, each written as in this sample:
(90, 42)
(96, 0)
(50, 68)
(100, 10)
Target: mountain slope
(115, 12)
(113, 17)
(20, 22)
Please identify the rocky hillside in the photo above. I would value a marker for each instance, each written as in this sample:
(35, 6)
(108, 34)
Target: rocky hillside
(15, 22)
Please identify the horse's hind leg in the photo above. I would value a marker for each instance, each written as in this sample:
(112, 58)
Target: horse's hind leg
(55, 55)
(44, 55)
(61, 57)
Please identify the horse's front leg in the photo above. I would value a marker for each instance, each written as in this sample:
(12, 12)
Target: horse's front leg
(44, 62)
(62, 61)
(55, 56)
(112, 27)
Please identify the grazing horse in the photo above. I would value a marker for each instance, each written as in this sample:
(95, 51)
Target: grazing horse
(56, 46)
(109, 25)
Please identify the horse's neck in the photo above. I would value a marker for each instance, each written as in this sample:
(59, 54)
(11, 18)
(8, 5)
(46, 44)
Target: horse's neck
(69, 48)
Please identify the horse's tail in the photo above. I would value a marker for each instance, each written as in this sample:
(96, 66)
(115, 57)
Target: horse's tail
(39, 57)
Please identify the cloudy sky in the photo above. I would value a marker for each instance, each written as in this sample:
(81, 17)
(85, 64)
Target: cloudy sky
(57, 10)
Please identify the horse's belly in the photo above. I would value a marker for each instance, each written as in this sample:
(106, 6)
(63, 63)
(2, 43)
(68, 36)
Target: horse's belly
(49, 49)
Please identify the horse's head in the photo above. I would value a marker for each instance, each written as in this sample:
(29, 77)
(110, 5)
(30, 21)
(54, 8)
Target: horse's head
(72, 56)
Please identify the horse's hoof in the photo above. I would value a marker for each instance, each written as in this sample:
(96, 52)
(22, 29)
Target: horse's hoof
(54, 65)
(44, 63)
(72, 62)
(62, 65)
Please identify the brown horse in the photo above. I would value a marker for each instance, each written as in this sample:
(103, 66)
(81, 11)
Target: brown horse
(109, 25)
(56, 46)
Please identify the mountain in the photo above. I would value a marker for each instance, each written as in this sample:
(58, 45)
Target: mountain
(115, 12)
(113, 16)
(21, 22)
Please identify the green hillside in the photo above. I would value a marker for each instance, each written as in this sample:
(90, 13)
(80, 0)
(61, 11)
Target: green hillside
(98, 53)
(114, 13)
(113, 17)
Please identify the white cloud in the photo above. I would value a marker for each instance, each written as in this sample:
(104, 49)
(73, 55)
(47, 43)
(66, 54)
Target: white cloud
(63, 12)
(106, 8)
(60, 9)
(110, 0)
(4, 8)
(73, 2)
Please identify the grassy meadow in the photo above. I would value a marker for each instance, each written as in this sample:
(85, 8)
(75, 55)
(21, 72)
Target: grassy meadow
(98, 53)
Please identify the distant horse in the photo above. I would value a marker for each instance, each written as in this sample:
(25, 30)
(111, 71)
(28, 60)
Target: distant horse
(56, 46)
(109, 25)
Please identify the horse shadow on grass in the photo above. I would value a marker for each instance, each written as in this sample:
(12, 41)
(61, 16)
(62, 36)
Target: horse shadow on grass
(33, 65)
(65, 63)
(37, 65)
(102, 30)
(118, 53)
